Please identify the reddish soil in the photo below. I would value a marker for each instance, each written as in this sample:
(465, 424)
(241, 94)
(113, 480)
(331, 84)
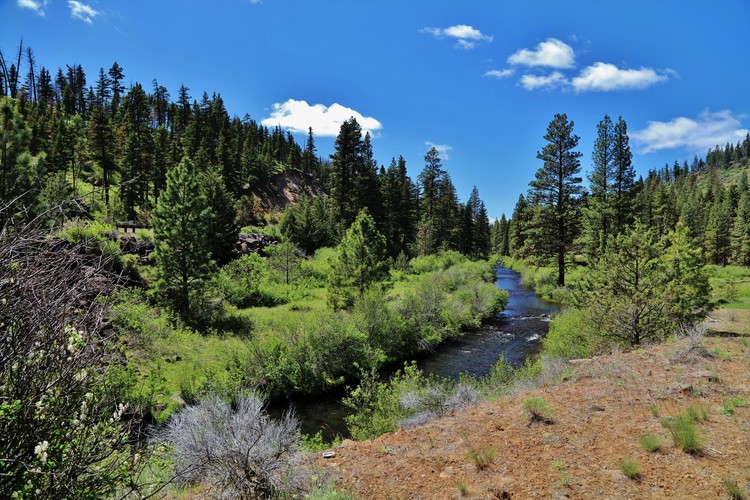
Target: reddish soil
(599, 415)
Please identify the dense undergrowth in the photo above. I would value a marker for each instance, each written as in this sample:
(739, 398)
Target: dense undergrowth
(289, 341)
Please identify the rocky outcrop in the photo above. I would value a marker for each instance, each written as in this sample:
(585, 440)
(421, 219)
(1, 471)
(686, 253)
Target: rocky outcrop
(254, 243)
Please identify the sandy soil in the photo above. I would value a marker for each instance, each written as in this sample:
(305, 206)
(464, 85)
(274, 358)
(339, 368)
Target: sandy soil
(599, 415)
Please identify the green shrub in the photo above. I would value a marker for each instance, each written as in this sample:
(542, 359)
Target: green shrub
(375, 405)
(244, 282)
(650, 443)
(571, 335)
(436, 262)
(684, 432)
(538, 410)
(630, 468)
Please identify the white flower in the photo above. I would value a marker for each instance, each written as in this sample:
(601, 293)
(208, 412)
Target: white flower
(41, 451)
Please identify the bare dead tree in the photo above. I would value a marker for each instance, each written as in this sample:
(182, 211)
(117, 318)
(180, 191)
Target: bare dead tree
(64, 432)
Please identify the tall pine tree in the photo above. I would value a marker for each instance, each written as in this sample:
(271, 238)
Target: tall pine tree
(557, 188)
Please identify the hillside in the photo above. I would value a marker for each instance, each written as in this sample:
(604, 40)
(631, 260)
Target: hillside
(601, 409)
(284, 188)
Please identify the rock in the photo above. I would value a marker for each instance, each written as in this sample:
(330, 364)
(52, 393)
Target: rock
(679, 387)
(254, 243)
(348, 443)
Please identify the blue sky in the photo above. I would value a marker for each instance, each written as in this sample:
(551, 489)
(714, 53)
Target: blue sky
(480, 80)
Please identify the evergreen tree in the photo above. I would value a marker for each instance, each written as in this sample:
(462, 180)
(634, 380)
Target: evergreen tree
(482, 242)
(309, 160)
(345, 164)
(101, 147)
(221, 225)
(360, 262)
(181, 224)
(557, 188)
(741, 231)
(517, 229)
(643, 288)
(599, 213)
(283, 263)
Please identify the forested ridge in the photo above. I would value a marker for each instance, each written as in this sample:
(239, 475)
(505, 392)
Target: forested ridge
(710, 196)
(122, 141)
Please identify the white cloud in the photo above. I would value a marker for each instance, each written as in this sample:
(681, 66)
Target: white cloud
(708, 130)
(605, 77)
(325, 121)
(467, 37)
(534, 82)
(551, 53)
(82, 11)
(499, 73)
(255, 2)
(443, 149)
(35, 5)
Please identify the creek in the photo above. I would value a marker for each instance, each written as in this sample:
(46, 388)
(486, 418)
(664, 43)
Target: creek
(516, 333)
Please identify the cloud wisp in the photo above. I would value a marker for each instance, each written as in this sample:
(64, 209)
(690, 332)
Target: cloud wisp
(500, 73)
(696, 134)
(325, 121)
(82, 11)
(544, 82)
(37, 6)
(604, 77)
(551, 53)
(466, 37)
(443, 149)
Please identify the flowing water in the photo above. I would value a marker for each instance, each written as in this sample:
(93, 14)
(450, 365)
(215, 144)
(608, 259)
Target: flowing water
(516, 333)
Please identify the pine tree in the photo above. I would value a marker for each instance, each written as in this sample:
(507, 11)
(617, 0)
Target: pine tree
(645, 288)
(309, 160)
(221, 225)
(598, 214)
(360, 262)
(181, 225)
(482, 243)
(557, 188)
(741, 231)
(101, 146)
(345, 164)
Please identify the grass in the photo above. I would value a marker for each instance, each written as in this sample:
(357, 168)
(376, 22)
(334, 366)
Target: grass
(482, 457)
(654, 410)
(684, 433)
(734, 491)
(650, 443)
(538, 410)
(630, 468)
(698, 413)
(728, 405)
(463, 489)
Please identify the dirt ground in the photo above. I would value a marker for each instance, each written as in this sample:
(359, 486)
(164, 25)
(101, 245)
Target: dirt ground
(599, 413)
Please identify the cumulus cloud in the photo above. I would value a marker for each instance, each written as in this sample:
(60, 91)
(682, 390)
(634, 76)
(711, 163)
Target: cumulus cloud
(604, 77)
(551, 53)
(443, 149)
(35, 5)
(543, 82)
(696, 134)
(82, 11)
(466, 37)
(500, 73)
(325, 121)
